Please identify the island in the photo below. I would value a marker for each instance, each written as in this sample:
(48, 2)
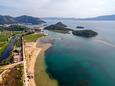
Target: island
(80, 27)
(58, 27)
(85, 33)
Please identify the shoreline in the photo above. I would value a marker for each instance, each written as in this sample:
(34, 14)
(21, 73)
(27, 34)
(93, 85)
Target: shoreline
(41, 76)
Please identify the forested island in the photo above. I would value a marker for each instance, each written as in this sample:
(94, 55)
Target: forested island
(85, 33)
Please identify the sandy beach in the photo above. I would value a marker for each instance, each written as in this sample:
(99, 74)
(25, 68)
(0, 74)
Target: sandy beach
(34, 52)
(31, 53)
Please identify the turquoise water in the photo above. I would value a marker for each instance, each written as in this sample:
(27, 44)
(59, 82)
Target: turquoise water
(77, 61)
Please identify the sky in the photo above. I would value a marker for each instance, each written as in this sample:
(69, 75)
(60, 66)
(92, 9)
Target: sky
(57, 8)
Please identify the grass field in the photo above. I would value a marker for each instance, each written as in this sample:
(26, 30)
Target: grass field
(32, 37)
(4, 36)
(17, 32)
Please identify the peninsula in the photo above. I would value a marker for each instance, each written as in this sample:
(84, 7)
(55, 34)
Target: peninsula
(58, 27)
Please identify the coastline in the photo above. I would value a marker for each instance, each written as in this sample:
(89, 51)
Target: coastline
(41, 76)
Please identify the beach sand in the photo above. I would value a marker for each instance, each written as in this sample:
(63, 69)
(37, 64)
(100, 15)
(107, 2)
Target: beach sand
(41, 76)
(31, 54)
(36, 68)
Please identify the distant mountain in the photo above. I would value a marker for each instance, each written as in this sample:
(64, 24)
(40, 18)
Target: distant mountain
(7, 20)
(107, 17)
(99, 18)
(21, 20)
(57, 18)
(29, 19)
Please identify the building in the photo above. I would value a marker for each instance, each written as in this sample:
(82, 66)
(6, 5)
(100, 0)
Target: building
(17, 58)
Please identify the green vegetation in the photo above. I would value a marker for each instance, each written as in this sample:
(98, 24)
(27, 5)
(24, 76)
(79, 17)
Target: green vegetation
(14, 28)
(2, 28)
(4, 35)
(17, 32)
(85, 33)
(32, 37)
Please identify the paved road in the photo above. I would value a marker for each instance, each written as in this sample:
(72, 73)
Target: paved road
(26, 79)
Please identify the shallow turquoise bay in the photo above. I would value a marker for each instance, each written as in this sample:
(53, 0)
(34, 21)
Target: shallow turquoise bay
(77, 61)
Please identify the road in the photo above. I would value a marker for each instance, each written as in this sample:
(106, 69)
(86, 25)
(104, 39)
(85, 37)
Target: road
(26, 79)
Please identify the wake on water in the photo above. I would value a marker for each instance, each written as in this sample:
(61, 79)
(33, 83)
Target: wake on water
(105, 43)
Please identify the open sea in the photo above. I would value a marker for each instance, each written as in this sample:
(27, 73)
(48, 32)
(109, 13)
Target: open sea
(78, 61)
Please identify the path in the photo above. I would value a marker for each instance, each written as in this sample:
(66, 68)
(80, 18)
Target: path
(7, 67)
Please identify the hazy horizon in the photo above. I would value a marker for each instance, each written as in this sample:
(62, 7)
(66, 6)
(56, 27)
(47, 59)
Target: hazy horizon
(58, 8)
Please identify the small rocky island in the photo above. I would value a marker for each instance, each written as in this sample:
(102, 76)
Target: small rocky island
(58, 27)
(85, 33)
(80, 27)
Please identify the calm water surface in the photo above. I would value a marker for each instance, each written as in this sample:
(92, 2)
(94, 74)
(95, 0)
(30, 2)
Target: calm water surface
(77, 61)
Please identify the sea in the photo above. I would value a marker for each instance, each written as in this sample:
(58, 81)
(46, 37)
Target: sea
(79, 61)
